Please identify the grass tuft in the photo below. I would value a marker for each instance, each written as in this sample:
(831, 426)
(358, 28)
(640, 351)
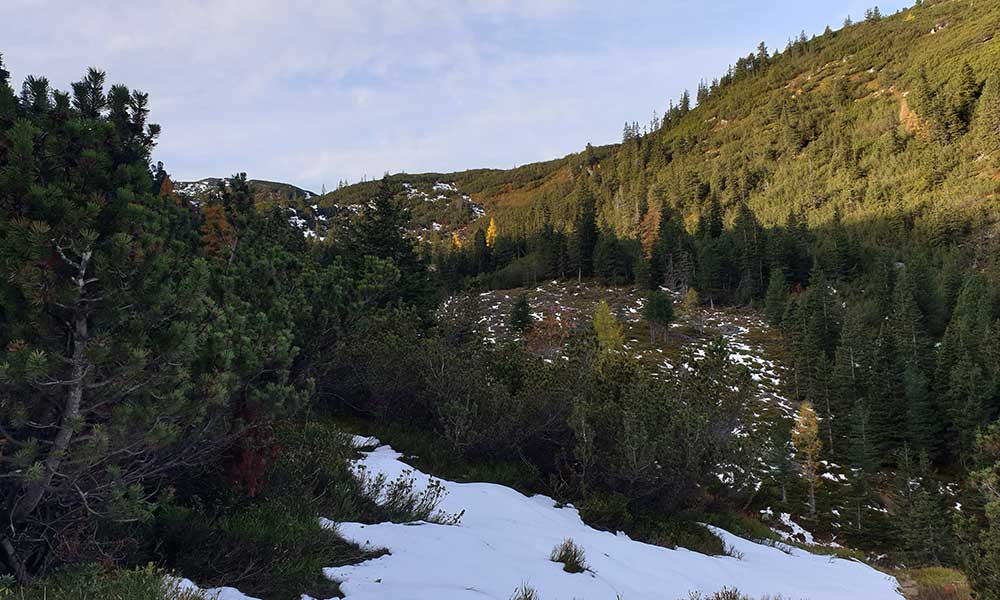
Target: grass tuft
(571, 556)
(525, 592)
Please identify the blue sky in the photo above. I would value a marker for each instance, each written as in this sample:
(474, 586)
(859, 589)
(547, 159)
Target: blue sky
(315, 91)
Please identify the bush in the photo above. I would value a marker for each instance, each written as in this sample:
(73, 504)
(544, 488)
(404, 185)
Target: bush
(571, 556)
(274, 549)
(606, 510)
(679, 532)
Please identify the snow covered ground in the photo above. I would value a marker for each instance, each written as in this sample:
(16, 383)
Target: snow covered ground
(504, 540)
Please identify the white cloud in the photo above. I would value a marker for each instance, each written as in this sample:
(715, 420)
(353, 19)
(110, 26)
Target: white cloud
(312, 91)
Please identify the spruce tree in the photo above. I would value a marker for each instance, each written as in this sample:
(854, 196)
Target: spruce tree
(658, 311)
(585, 233)
(520, 314)
(776, 297)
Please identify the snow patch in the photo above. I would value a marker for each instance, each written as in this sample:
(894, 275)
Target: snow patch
(504, 539)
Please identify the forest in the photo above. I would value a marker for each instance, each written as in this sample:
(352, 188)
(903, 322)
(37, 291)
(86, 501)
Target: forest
(178, 376)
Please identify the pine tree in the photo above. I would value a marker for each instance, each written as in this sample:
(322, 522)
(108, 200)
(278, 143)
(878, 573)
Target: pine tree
(105, 313)
(585, 232)
(805, 438)
(520, 315)
(658, 311)
(986, 122)
(963, 105)
(750, 253)
(979, 536)
(776, 297)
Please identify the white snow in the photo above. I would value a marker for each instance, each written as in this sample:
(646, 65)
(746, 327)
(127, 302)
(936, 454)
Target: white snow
(504, 539)
(180, 584)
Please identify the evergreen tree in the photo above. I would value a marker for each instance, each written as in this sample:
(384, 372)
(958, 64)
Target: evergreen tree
(103, 316)
(979, 550)
(658, 311)
(776, 297)
(520, 314)
(987, 115)
(380, 232)
(585, 232)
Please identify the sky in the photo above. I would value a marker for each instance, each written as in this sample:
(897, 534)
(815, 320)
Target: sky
(311, 92)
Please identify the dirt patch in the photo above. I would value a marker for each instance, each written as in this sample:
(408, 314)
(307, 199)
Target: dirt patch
(907, 117)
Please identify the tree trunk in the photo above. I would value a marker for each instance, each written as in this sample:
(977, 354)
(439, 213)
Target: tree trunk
(10, 555)
(71, 410)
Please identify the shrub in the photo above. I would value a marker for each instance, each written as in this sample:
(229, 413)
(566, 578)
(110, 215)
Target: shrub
(570, 555)
(606, 510)
(274, 549)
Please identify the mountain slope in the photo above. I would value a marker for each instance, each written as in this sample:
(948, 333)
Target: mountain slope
(868, 121)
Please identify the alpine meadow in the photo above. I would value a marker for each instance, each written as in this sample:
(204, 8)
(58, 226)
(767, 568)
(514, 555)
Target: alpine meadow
(751, 351)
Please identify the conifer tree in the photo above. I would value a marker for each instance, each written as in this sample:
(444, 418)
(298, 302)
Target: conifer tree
(979, 536)
(658, 311)
(776, 297)
(610, 335)
(585, 232)
(491, 233)
(103, 316)
(986, 121)
(520, 314)
(806, 439)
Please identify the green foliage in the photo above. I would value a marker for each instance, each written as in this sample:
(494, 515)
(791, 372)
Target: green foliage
(520, 314)
(145, 346)
(776, 297)
(979, 550)
(658, 310)
(88, 581)
(610, 337)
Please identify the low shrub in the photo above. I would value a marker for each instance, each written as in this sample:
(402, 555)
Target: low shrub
(91, 581)
(608, 511)
(274, 549)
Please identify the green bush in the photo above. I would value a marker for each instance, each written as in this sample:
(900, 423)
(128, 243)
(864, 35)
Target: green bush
(274, 549)
(606, 510)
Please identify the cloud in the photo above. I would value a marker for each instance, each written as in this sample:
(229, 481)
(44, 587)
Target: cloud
(314, 91)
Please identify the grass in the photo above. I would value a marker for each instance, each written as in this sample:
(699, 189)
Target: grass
(525, 592)
(571, 556)
(92, 582)
(933, 583)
